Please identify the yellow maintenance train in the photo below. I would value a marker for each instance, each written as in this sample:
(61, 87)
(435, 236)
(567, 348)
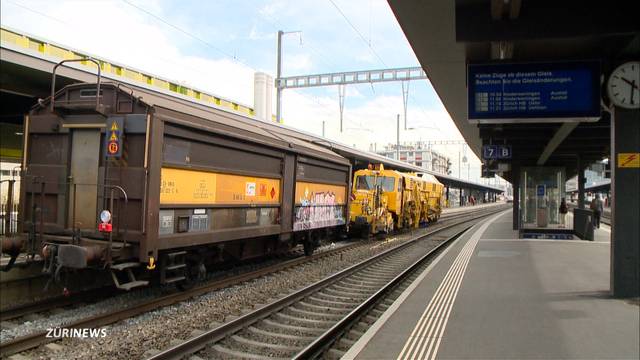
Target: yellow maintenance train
(386, 200)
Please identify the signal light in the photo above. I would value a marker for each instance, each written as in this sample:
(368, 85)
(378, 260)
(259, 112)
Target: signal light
(105, 225)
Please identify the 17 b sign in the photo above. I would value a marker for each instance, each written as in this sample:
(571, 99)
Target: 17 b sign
(496, 152)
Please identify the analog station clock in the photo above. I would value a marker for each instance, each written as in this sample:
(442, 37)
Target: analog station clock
(623, 87)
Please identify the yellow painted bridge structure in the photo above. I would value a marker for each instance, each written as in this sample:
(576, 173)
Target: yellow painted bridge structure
(26, 65)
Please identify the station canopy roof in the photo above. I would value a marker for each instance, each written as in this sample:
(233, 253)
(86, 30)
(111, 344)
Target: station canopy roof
(448, 35)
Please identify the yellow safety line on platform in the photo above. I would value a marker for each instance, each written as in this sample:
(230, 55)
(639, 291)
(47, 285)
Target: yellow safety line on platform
(424, 341)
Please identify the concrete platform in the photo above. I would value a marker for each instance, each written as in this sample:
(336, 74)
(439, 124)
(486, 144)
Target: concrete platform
(457, 209)
(494, 296)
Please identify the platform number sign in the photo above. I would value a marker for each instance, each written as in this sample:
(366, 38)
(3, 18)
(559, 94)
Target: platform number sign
(496, 152)
(489, 152)
(504, 152)
(113, 138)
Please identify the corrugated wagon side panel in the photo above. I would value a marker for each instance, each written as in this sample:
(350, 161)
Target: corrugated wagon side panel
(216, 189)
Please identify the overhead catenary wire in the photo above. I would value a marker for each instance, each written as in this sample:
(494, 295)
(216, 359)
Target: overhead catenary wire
(232, 57)
(368, 43)
(38, 12)
(191, 34)
(278, 25)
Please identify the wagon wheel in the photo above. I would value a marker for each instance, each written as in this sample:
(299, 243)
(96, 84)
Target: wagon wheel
(365, 231)
(195, 272)
(311, 242)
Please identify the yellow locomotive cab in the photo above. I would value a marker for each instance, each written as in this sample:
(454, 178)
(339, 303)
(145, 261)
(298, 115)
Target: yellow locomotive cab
(383, 200)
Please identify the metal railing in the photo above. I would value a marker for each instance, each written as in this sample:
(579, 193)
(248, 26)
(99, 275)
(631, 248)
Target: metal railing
(9, 206)
(53, 80)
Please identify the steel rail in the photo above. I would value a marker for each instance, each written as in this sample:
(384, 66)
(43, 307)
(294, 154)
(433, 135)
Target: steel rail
(88, 295)
(53, 303)
(199, 342)
(38, 338)
(328, 338)
(30, 341)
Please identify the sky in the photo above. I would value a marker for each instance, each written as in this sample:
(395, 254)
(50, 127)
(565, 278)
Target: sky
(218, 45)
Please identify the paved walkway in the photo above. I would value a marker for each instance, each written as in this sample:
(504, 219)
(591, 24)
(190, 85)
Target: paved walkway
(493, 296)
(454, 210)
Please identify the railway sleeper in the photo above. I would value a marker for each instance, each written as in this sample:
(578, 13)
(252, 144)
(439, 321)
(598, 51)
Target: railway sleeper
(223, 352)
(323, 295)
(375, 271)
(358, 285)
(369, 319)
(387, 302)
(370, 278)
(333, 354)
(372, 284)
(325, 309)
(298, 321)
(360, 327)
(350, 293)
(342, 295)
(276, 326)
(259, 347)
(351, 282)
(349, 290)
(344, 344)
(322, 302)
(279, 336)
(294, 311)
(354, 334)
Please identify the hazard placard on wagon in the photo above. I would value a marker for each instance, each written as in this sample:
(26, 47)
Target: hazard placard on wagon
(113, 138)
(628, 160)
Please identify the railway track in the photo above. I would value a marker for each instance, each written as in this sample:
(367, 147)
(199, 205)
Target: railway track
(308, 322)
(87, 296)
(38, 338)
(92, 295)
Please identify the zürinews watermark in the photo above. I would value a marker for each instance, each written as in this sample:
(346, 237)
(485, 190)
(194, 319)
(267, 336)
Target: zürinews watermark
(82, 333)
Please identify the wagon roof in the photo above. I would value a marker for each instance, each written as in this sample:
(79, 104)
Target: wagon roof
(250, 125)
(237, 125)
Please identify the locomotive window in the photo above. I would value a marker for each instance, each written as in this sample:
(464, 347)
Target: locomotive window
(365, 182)
(387, 183)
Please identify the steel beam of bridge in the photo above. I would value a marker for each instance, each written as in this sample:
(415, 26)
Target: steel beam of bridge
(352, 77)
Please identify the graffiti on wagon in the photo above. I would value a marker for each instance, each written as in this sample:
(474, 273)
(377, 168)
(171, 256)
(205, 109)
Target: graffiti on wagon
(318, 209)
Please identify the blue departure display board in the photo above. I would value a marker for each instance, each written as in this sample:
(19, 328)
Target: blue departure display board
(534, 92)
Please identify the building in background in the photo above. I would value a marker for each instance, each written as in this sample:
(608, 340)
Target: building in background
(419, 154)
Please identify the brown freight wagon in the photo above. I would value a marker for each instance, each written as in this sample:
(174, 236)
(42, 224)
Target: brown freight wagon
(186, 186)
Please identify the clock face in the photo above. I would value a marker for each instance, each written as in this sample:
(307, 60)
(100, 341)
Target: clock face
(624, 85)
